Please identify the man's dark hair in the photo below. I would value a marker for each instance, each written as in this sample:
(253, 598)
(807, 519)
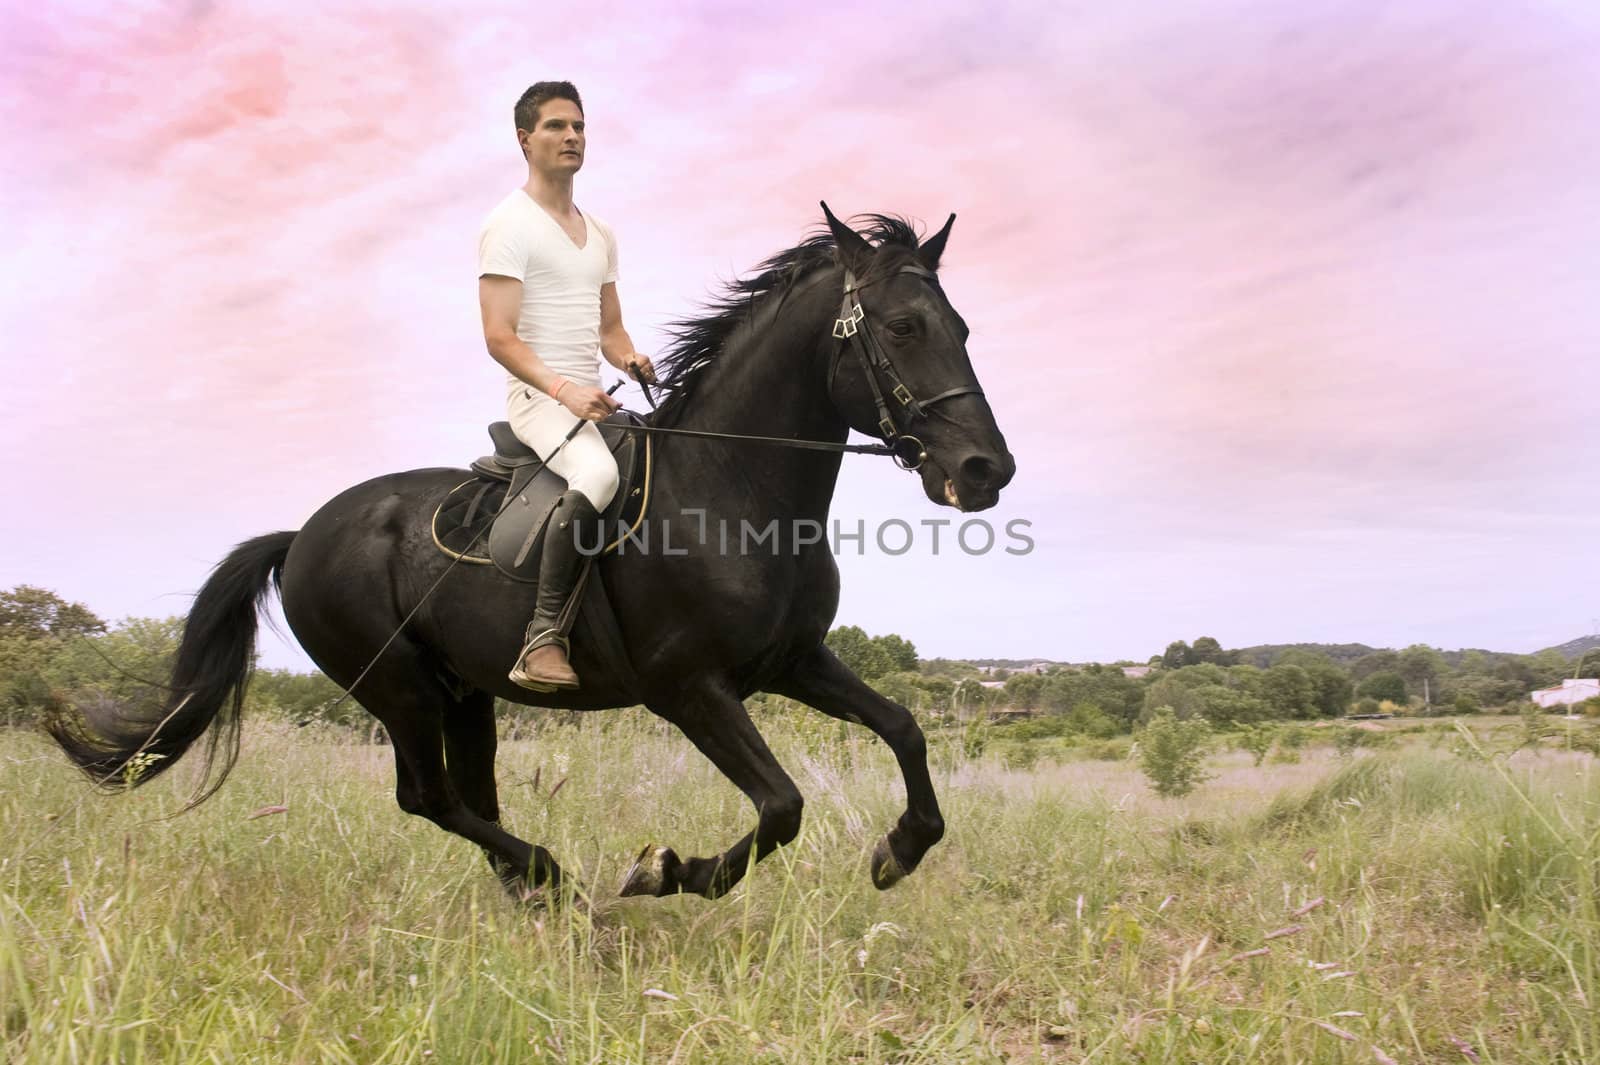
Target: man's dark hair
(527, 110)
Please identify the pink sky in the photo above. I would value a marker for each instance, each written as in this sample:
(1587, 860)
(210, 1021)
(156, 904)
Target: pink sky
(1288, 312)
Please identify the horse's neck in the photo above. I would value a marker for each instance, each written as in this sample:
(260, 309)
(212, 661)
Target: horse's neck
(771, 381)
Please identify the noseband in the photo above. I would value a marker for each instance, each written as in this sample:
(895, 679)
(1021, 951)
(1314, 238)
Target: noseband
(853, 332)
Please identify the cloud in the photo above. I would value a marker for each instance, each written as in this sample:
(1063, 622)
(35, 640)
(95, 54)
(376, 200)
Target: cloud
(1243, 278)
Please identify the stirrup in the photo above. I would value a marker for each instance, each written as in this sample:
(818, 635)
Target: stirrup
(545, 638)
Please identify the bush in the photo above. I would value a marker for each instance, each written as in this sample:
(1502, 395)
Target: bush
(1170, 753)
(1534, 726)
(1089, 720)
(1257, 740)
(1112, 750)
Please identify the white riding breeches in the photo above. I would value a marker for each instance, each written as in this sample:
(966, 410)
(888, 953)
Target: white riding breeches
(585, 462)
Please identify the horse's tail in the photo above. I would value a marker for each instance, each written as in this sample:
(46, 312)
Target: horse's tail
(120, 749)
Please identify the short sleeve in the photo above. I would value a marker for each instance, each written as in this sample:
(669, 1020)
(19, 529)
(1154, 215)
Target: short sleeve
(503, 247)
(611, 254)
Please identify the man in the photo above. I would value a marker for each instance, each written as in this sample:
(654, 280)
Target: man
(547, 289)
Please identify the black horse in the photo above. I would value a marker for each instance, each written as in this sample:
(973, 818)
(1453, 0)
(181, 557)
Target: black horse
(703, 629)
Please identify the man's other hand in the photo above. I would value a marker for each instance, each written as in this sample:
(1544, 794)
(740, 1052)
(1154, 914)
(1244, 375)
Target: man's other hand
(640, 368)
(590, 404)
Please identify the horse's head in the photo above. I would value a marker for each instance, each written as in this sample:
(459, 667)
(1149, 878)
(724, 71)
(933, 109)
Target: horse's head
(900, 370)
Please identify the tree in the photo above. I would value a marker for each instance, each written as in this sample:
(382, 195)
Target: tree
(36, 627)
(1421, 666)
(968, 696)
(131, 664)
(939, 690)
(1023, 690)
(1178, 655)
(1384, 686)
(1170, 693)
(1547, 668)
(1228, 706)
(1589, 664)
(1089, 720)
(1170, 753)
(1332, 688)
(859, 652)
(304, 696)
(37, 613)
(1289, 691)
(1376, 662)
(1207, 649)
(899, 651)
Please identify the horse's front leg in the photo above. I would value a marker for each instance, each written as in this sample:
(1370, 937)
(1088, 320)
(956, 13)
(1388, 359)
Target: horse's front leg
(822, 681)
(715, 721)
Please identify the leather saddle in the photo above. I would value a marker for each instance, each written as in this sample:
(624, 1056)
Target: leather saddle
(514, 493)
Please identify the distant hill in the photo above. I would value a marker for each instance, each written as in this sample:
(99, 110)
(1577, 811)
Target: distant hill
(1010, 663)
(1345, 653)
(1263, 655)
(1573, 649)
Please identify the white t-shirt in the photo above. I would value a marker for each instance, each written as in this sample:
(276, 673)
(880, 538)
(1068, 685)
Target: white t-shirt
(560, 315)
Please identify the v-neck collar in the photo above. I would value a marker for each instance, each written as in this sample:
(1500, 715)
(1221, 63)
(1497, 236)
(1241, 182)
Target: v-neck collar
(588, 235)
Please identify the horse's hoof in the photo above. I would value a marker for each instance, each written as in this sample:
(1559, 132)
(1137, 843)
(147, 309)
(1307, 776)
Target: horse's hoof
(648, 874)
(886, 868)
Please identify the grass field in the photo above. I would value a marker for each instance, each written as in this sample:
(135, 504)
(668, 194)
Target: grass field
(1416, 904)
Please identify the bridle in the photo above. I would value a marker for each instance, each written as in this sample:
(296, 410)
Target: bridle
(853, 333)
(851, 330)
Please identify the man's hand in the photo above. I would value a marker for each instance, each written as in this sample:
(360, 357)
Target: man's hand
(590, 404)
(639, 367)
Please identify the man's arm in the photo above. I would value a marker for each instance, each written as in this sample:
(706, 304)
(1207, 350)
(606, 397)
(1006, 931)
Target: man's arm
(615, 344)
(500, 301)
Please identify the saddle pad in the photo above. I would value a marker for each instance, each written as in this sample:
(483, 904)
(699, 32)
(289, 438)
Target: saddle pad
(462, 521)
(465, 513)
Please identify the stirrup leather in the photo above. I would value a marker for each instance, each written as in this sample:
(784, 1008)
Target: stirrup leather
(533, 641)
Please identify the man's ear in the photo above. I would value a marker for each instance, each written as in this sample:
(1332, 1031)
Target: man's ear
(854, 251)
(933, 247)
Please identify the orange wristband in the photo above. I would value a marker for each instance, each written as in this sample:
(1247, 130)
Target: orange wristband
(555, 393)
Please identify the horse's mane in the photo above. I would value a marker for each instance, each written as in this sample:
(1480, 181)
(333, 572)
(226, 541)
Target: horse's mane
(699, 341)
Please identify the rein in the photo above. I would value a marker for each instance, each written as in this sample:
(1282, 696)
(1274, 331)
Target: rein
(779, 441)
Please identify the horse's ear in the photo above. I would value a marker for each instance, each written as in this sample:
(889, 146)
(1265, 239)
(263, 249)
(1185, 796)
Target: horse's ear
(933, 247)
(854, 251)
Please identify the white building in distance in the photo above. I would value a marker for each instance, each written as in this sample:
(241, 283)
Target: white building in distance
(1567, 692)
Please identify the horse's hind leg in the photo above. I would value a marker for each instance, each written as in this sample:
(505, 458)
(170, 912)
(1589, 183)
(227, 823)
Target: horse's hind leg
(716, 722)
(822, 681)
(469, 749)
(413, 705)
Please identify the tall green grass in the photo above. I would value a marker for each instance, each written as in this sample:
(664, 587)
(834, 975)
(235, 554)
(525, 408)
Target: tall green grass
(1069, 915)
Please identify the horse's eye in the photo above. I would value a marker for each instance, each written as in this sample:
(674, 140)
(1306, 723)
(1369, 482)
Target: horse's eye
(901, 329)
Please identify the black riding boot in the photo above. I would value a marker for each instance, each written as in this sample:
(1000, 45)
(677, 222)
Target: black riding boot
(543, 665)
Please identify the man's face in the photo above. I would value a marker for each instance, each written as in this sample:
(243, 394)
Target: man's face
(555, 145)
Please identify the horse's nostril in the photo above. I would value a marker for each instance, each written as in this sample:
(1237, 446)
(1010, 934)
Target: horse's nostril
(981, 472)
